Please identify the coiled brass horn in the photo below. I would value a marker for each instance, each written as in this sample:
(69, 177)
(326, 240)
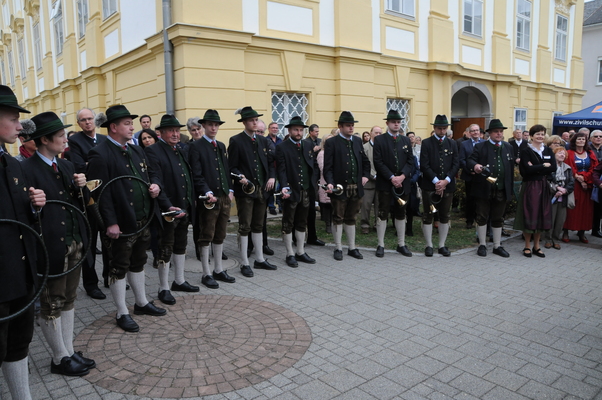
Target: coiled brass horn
(337, 191)
(486, 172)
(249, 188)
(397, 196)
(206, 203)
(435, 199)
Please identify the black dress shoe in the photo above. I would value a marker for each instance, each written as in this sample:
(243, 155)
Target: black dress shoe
(428, 251)
(316, 242)
(86, 362)
(96, 293)
(500, 251)
(127, 323)
(380, 252)
(166, 297)
(444, 251)
(223, 276)
(404, 251)
(69, 367)
(305, 258)
(264, 265)
(149, 309)
(208, 281)
(338, 255)
(267, 251)
(224, 256)
(246, 270)
(184, 287)
(482, 251)
(291, 262)
(355, 253)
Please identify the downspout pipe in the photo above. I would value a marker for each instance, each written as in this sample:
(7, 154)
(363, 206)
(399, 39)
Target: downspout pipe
(170, 105)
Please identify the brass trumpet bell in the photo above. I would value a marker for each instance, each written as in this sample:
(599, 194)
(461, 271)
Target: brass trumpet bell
(401, 201)
(337, 191)
(433, 209)
(208, 205)
(93, 184)
(491, 179)
(249, 188)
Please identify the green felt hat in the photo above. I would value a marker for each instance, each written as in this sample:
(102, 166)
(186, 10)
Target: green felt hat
(46, 123)
(296, 121)
(8, 99)
(211, 116)
(441, 120)
(116, 112)
(246, 113)
(169, 121)
(346, 118)
(495, 124)
(393, 114)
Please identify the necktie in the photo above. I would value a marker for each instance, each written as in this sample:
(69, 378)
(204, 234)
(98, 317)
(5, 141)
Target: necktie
(55, 167)
(497, 145)
(214, 144)
(298, 145)
(124, 147)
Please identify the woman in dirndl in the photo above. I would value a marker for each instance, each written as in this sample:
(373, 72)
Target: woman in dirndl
(534, 211)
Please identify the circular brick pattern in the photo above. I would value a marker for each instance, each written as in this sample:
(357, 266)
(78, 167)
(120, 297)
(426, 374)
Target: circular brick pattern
(204, 345)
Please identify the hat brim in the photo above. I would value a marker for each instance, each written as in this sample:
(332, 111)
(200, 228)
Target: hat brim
(253, 116)
(346, 122)
(16, 107)
(170, 126)
(441, 124)
(202, 121)
(303, 125)
(107, 123)
(497, 127)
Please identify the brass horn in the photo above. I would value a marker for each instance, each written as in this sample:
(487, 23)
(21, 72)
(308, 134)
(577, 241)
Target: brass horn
(397, 196)
(249, 188)
(92, 185)
(337, 191)
(435, 199)
(170, 215)
(207, 204)
(486, 172)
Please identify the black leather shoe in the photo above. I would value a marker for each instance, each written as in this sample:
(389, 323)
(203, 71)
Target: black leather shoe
(338, 255)
(428, 251)
(86, 362)
(291, 262)
(223, 276)
(184, 287)
(246, 270)
(69, 367)
(166, 297)
(305, 258)
(149, 309)
(224, 256)
(404, 251)
(380, 252)
(208, 281)
(127, 323)
(316, 242)
(96, 293)
(482, 251)
(500, 251)
(355, 253)
(264, 265)
(444, 251)
(267, 251)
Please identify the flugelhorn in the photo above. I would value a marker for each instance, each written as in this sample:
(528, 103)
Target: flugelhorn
(249, 188)
(397, 196)
(486, 172)
(208, 205)
(337, 191)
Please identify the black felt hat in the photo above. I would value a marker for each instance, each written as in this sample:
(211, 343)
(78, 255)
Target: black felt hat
(246, 113)
(440, 120)
(8, 99)
(46, 123)
(393, 114)
(296, 121)
(495, 124)
(169, 121)
(116, 112)
(211, 116)
(346, 118)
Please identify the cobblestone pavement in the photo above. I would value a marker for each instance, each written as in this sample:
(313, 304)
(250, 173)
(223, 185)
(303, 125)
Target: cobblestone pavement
(462, 327)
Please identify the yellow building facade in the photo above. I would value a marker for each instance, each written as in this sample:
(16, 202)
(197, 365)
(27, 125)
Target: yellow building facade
(516, 60)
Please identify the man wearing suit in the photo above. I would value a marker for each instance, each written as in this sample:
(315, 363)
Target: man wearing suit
(251, 159)
(80, 145)
(345, 164)
(18, 267)
(313, 141)
(125, 207)
(168, 165)
(439, 164)
(494, 193)
(210, 172)
(466, 147)
(370, 199)
(64, 235)
(394, 163)
(297, 172)
(518, 144)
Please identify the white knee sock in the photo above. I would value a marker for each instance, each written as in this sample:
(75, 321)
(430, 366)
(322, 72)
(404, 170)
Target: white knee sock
(427, 231)
(443, 230)
(497, 237)
(350, 232)
(337, 233)
(243, 244)
(118, 293)
(16, 375)
(300, 236)
(205, 260)
(482, 234)
(381, 228)
(400, 227)
(136, 280)
(287, 238)
(258, 243)
(68, 321)
(163, 275)
(178, 261)
(218, 250)
(53, 332)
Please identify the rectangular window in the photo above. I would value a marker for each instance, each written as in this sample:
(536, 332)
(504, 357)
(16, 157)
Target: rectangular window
(520, 119)
(599, 72)
(57, 23)
(37, 46)
(82, 17)
(287, 105)
(5, 14)
(403, 106)
(473, 17)
(22, 64)
(11, 68)
(3, 72)
(109, 7)
(523, 25)
(562, 29)
(405, 7)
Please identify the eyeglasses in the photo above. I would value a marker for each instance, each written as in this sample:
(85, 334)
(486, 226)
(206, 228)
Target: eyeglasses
(597, 136)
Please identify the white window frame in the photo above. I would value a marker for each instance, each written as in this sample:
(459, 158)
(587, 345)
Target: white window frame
(37, 45)
(402, 7)
(292, 104)
(11, 68)
(562, 35)
(520, 119)
(523, 24)
(600, 71)
(403, 107)
(57, 25)
(82, 17)
(469, 17)
(109, 7)
(22, 60)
